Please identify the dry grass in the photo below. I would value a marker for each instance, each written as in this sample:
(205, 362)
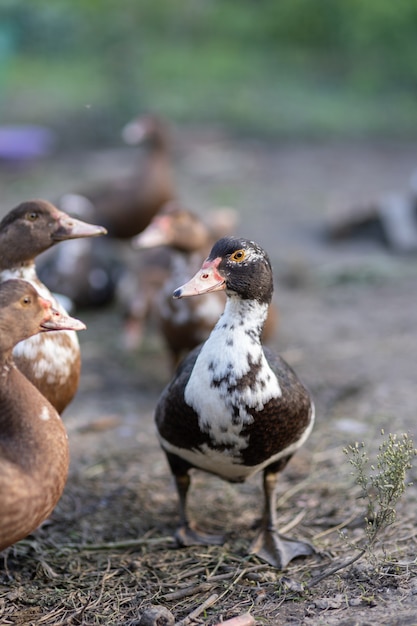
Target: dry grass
(107, 553)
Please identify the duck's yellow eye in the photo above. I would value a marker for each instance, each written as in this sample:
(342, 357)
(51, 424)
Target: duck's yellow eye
(238, 256)
(32, 216)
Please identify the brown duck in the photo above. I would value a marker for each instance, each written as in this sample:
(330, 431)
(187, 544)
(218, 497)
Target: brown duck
(33, 442)
(50, 361)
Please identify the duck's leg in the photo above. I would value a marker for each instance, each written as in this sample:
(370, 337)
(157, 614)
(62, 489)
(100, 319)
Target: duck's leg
(270, 546)
(187, 533)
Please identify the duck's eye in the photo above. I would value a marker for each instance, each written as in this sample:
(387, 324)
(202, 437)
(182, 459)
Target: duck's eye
(32, 216)
(25, 300)
(238, 256)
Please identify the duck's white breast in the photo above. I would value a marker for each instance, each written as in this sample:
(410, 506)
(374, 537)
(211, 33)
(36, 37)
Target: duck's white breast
(231, 379)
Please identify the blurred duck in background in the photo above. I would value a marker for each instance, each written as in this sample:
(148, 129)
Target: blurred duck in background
(88, 271)
(175, 241)
(138, 293)
(185, 323)
(126, 205)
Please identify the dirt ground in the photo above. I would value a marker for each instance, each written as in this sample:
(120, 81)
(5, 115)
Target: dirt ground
(347, 325)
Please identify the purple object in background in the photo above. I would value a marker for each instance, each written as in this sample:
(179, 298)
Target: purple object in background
(25, 142)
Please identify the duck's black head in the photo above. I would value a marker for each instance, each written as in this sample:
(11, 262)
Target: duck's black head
(245, 267)
(239, 266)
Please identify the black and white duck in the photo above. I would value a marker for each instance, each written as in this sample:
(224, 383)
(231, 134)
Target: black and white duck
(233, 407)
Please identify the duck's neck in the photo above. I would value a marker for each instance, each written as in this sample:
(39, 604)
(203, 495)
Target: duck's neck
(232, 370)
(15, 252)
(243, 320)
(234, 345)
(25, 271)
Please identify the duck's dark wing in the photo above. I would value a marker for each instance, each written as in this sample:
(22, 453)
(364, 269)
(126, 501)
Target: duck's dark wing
(283, 420)
(176, 421)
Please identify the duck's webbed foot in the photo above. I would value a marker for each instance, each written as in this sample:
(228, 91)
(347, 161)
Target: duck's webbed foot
(186, 535)
(278, 550)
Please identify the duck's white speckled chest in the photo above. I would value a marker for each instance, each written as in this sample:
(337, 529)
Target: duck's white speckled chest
(53, 354)
(231, 377)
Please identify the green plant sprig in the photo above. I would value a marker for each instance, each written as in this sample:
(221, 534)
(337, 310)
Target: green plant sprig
(382, 485)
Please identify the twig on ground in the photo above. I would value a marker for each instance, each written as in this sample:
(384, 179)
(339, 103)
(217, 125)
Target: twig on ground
(200, 609)
(333, 570)
(294, 522)
(119, 545)
(241, 620)
(188, 591)
(333, 529)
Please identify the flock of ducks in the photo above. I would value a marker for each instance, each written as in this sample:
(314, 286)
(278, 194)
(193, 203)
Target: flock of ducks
(232, 408)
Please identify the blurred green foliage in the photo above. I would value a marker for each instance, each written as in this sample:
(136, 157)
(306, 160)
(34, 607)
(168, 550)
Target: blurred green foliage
(272, 66)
